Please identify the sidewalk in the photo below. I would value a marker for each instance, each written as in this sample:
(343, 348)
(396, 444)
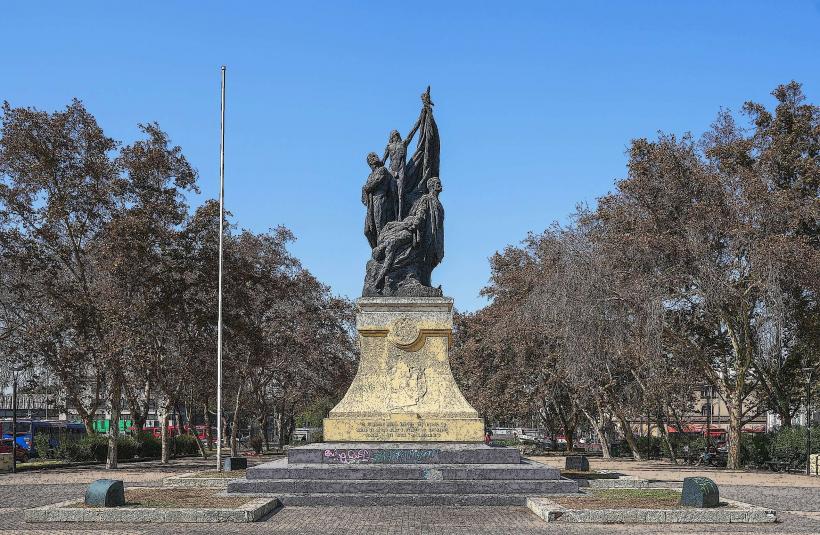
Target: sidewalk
(798, 505)
(666, 473)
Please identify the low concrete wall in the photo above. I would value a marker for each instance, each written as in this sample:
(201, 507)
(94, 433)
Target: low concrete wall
(735, 512)
(58, 512)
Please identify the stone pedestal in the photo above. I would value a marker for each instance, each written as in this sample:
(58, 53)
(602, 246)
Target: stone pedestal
(403, 434)
(404, 390)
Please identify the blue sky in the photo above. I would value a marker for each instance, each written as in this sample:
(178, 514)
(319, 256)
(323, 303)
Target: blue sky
(536, 102)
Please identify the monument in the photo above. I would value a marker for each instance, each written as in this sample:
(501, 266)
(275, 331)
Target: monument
(404, 390)
(403, 434)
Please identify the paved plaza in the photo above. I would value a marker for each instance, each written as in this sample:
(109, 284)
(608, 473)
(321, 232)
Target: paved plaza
(795, 497)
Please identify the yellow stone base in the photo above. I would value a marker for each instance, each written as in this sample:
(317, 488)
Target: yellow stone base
(404, 390)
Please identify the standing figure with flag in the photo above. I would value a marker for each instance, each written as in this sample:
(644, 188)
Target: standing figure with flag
(396, 150)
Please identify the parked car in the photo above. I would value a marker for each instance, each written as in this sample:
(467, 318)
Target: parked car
(546, 443)
(6, 447)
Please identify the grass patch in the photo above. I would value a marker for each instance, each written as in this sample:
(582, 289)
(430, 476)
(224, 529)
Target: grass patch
(622, 499)
(178, 498)
(213, 474)
(39, 464)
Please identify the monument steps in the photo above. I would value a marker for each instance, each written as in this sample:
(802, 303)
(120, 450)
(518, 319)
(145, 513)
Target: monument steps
(418, 500)
(400, 486)
(362, 474)
(281, 469)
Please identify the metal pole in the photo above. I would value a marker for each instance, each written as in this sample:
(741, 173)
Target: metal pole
(808, 423)
(14, 424)
(709, 395)
(219, 291)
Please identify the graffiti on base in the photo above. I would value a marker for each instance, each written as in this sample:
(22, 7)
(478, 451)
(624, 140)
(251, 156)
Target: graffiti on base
(347, 456)
(403, 456)
(397, 456)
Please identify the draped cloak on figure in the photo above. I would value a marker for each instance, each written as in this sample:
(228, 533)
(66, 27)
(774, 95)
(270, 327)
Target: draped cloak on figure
(379, 196)
(409, 249)
(428, 238)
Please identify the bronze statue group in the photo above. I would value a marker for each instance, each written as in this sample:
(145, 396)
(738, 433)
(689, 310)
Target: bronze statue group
(404, 224)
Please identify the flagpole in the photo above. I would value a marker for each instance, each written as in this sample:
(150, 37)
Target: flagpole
(219, 290)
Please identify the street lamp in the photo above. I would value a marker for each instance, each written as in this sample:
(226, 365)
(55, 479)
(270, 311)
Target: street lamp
(808, 371)
(16, 367)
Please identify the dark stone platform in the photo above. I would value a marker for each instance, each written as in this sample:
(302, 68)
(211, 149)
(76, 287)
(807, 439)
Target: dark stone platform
(402, 474)
(402, 453)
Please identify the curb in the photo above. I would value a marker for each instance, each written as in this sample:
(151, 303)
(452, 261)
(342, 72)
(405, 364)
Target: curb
(549, 511)
(58, 512)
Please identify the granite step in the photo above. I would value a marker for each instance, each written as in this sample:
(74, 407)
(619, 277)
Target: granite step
(408, 486)
(401, 453)
(416, 500)
(282, 469)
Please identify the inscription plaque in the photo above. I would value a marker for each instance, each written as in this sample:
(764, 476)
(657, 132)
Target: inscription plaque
(397, 431)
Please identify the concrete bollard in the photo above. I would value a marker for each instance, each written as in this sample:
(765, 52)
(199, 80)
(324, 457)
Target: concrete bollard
(229, 464)
(577, 463)
(105, 493)
(699, 492)
(5, 462)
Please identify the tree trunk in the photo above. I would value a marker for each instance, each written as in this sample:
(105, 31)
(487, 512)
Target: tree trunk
(665, 436)
(735, 425)
(139, 410)
(287, 424)
(785, 415)
(741, 346)
(569, 426)
(114, 428)
(224, 425)
(569, 434)
(208, 432)
(282, 438)
(291, 421)
(601, 432)
(186, 422)
(263, 430)
(629, 436)
(163, 433)
(235, 424)
(199, 445)
(86, 416)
